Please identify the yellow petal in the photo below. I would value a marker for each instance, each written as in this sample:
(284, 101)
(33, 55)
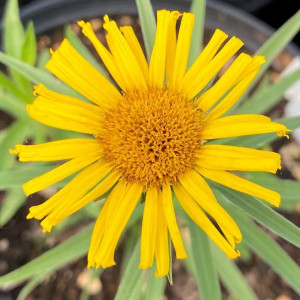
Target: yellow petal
(58, 150)
(162, 254)
(158, 57)
(171, 44)
(127, 63)
(65, 112)
(136, 49)
(240, 184)
(199, 217)
(200, 191)
(57, 207)
(149, 226)
(69, 66)
(234, 95)
(104, 54)
(182, 51)
(226, 82)
(38, 183)
(123, 206)
(192, 85)
(224, 157)
(238, 125)
(168, 209)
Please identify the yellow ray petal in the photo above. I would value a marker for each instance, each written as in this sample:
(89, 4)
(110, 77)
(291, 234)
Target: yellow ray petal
(127, 63)
(199, 217)
(65, 112)
(168, 209)
(200, 191)
(224, 157)
(158, 57)
(162, 254)
(38, 183)
(69, 66)
(136, 49)
(182, 50)
(118, 219)
(104, 54)
(149, 228)
(171, 44)
(58, 150)
(238, 125)
(56, 208)
(191, 86)
(226, 82)
(240, 184)
(234, 95)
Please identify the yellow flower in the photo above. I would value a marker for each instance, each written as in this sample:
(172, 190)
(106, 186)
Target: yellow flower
(149, 138)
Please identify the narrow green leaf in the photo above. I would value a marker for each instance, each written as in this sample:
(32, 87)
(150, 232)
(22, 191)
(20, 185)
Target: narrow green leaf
(155, 286)
(29, 287)
(264, 246)
(132, 279)
(288, 189)
(259, 140)
(205, 270)
(198, 9)
(262, 101)
(19, 174)
(231, 276)
(43, 58)
(71, 249)
(278, 41)
(13, 32)
(12, 105)
(11, 87)
(29, 50)
(148, 24)
(12, 201)
(15, 134)
(37, 76)
(265, 215)
(81, 48)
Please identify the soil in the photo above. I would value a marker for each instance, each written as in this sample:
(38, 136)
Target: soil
(21, 240)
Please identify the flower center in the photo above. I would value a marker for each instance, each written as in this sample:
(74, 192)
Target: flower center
(152, 136)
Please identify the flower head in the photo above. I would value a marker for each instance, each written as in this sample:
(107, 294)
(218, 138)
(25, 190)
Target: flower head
(149, 136)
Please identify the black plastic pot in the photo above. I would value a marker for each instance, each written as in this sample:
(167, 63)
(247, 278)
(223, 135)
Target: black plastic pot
(48, 14)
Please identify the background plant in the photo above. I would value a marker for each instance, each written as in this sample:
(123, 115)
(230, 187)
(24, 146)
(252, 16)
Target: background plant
(205, 262)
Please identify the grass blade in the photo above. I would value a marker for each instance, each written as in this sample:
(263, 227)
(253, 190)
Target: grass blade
(231, 276)
(71, 249)
(12, 105)
(29, 287)
(29, 50)
(148, 24)
(198, 9)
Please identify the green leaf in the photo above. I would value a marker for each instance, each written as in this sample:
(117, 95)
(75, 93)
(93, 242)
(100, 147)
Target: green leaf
(155, 286)
(37, 76)
(13, 32)
(278, 41)
(288, 189)
(265, 215)
(15, 134)
(43, 58)
(11, 202)
(73, 248)
(29, 50)
(204, 267)
(148, 24)
(12, 105)
(132, 279)
(259, 140)
(11, 87)
(81, 48)
(18, 175)
(198, 9)
(231, 276)
(264, 246)
(29, 287)
(263, 100)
